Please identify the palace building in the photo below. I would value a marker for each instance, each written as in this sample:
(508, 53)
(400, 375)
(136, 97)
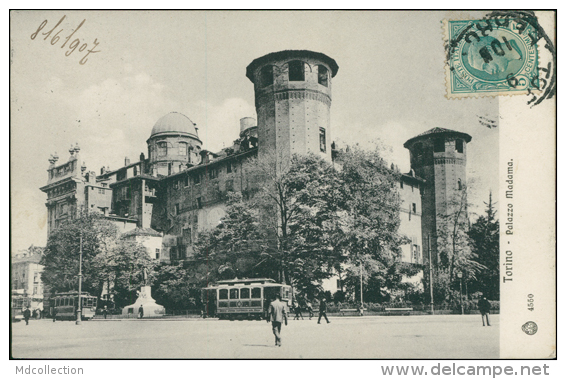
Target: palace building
(179, 188)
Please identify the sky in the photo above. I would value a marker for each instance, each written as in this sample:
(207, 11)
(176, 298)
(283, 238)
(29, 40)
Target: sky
(390, 87)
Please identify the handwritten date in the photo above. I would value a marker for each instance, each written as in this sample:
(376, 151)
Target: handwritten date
(74, 45)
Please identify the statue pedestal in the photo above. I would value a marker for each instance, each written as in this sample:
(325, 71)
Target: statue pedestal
(150, 307)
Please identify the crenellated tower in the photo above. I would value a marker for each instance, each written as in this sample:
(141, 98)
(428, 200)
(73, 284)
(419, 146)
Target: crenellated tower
(292, 99)
(438, 156)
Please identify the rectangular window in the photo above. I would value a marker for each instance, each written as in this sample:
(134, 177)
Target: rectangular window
(459, 146)
(186, 181)
(197, 178)
(234, 293)
(182, 148)
(296, 71)
(266, 76)
(176, 209)
(162, 149)
(182, 251)
(187, 235)
(414, 207)
(416, 253)
(439, 145)
(322, 75)
(223, 294)
(173, 253)
(245, 293)
(157, 253)
(228, 167)
(323, 140)
(199, 202)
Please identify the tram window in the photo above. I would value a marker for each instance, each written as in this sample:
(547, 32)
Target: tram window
(256, 293)
(223, 294)
(233, 293)
(71, 301)
(286, 294)
(245, 293)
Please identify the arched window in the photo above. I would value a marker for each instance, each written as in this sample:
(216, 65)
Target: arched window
(322, 75)
(459, 146)
(296, 71)
(161, 149)
(183, 148)
(439, 145)
(266, 76)
(418, 149)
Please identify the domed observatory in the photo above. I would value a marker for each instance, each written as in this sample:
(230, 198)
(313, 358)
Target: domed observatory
(292, 99)
(173, 145)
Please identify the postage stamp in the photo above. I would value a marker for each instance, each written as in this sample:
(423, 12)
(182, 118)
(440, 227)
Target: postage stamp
(490, 57)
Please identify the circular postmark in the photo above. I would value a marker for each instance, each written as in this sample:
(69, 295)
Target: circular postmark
(530, 328)
(499, 55)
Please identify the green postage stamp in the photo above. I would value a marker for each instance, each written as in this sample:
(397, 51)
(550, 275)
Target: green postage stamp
(490, 57)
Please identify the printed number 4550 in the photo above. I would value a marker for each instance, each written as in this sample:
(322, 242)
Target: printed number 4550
(531, 302)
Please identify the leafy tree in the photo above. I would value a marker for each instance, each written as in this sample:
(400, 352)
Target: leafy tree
(109, 262)
(61, 255)
(372, 206)
(239, 245)
(177, 286)
(455, 253)
(128, 262)
(484, 241)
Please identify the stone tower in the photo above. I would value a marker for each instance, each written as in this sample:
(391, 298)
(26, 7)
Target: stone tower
(438, 156)
(292, 99)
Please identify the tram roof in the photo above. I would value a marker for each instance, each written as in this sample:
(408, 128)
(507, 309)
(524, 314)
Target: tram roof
(72, 293)
(232, 282)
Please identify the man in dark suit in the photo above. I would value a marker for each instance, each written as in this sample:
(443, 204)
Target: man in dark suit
(322, 310)
(27, 315)
(276, 315)
(484, 306)
(140, 311)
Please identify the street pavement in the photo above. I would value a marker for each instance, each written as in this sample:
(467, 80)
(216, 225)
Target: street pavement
(442, 336)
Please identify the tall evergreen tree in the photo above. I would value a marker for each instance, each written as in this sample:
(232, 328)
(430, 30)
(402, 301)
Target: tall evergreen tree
(484, 238)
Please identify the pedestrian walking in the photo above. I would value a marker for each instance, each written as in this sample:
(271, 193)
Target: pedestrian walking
(298, 312)
(484, 306)
(27, 315)
(54, 313)
(311, 311)
(276, 315)
(105, 311)
(322, 310)
(140, 311)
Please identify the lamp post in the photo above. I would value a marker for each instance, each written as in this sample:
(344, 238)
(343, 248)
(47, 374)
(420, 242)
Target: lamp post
(79, 308)
(361, 284)
(430, 269)
(461, 299)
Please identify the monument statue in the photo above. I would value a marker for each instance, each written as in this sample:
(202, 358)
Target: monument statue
(151, 308)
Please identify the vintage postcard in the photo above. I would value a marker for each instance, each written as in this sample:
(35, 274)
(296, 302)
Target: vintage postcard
(282, 185)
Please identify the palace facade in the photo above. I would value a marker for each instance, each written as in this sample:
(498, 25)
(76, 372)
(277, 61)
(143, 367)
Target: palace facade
(165, 198)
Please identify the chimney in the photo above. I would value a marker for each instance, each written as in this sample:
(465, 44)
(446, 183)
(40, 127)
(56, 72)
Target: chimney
(126, 161)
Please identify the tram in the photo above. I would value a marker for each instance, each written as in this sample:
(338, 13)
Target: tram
(64, 305)
(243, 298)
